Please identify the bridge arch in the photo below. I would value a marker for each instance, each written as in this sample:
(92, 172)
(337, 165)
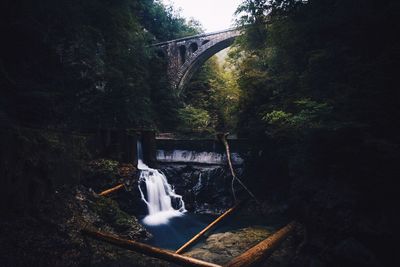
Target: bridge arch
(197, 59)
(186, 55)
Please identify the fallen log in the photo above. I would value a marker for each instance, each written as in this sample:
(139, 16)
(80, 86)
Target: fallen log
(256, 254)
(202, 232)
(111, 190)
(148, 250)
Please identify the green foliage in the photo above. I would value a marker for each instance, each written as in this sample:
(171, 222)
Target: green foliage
(34, 162)
(310, 114)
(164, 22)
(213, 91)
(289, 60)
(105, 167)
(276, 116)
(319, 98)
(77, 66)
(87, 64)
(109, 211)
(194, 119)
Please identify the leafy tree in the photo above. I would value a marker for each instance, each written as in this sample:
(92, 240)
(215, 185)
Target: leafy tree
(87, 64)
(213, 90)
(319, 100)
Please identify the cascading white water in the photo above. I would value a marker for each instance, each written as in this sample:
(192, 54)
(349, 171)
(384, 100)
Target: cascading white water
(186, 156)
(159, 193)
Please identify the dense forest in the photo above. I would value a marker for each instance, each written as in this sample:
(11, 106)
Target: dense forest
(77, 65)
(318, 87)
(311, 85)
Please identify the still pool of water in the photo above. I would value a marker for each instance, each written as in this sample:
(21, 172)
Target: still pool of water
(178, 230)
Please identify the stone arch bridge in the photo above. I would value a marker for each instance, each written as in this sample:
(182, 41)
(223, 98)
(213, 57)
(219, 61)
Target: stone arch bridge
(186, 55)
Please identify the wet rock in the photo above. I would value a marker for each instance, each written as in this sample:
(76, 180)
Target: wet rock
(109, 213)
(101, 174)
(205, 189)
(127, 171)
(220, 248)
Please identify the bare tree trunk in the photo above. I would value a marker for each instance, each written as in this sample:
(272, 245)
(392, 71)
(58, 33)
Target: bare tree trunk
(111, 190)
(222, 137)
(148, 250)
(263, 249)
(202, 232)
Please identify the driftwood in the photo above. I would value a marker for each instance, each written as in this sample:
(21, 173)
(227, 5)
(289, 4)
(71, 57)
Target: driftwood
(111, 190)
(263, 249)
(148, 250)
(202, 232)
(223, 139)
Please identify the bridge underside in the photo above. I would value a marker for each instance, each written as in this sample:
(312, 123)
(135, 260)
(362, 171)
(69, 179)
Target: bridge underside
(187, 72)
(186, 55)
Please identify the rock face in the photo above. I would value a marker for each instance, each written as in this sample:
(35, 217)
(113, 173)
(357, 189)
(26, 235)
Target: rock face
(220, 248)
(102, 174)
(205, 189)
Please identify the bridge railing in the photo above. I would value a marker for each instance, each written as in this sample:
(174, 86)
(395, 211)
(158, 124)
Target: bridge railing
(194, 36)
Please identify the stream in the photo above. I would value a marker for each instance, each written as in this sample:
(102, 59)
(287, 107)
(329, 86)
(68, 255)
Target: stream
(229, 239)
(202, 179)
(178, 230)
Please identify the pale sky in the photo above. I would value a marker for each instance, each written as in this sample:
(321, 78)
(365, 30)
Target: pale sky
(214, 15)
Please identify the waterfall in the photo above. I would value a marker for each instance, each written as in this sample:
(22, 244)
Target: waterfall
(162, 202)
(186, 156)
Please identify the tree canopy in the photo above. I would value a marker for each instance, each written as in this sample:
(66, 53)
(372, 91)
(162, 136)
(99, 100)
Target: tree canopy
(87, 64)
(320, 101)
